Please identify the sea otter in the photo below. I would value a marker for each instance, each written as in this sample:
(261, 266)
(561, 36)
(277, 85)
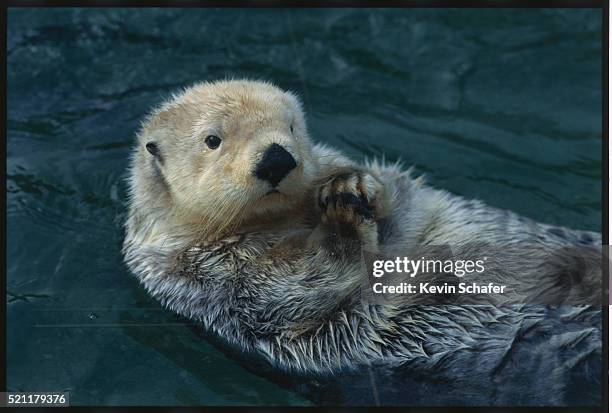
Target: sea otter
(238, 221)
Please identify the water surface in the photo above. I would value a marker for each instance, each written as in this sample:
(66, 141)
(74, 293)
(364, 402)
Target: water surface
(502, 105)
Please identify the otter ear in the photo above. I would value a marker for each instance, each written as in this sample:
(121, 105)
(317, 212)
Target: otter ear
(152, 148)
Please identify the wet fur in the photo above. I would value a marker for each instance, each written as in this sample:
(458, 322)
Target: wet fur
(284, 280)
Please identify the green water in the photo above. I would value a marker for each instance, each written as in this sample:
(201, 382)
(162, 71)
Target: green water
(502, 105)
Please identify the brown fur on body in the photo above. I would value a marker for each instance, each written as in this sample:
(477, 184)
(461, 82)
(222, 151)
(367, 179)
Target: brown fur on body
(280, 274)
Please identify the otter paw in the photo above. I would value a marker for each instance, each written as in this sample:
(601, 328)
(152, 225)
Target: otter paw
(350, 198)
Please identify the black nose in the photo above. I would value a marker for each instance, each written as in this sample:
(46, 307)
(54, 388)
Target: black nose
(275, 164)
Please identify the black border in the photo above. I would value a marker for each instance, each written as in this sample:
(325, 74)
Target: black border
(605, 181)
(315, 3)
(4, 115)
(601, 4)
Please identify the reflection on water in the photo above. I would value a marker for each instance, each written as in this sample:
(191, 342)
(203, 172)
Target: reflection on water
(501, 105)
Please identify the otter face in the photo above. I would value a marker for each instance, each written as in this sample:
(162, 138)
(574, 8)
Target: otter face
(228, 150)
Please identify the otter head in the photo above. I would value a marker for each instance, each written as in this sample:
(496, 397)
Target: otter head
(221, 153)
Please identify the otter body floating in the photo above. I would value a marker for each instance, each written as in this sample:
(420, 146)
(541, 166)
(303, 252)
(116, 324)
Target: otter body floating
(250, 229)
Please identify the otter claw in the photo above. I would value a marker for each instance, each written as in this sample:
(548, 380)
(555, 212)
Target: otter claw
(350, 197)
(359, 204)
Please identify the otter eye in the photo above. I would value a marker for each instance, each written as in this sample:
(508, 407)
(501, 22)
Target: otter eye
(291, 128)
(213, 141)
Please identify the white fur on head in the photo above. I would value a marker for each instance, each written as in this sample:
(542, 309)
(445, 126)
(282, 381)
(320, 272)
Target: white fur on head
(211, 190)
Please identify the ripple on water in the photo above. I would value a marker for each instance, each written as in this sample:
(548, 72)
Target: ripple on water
(498, 104)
